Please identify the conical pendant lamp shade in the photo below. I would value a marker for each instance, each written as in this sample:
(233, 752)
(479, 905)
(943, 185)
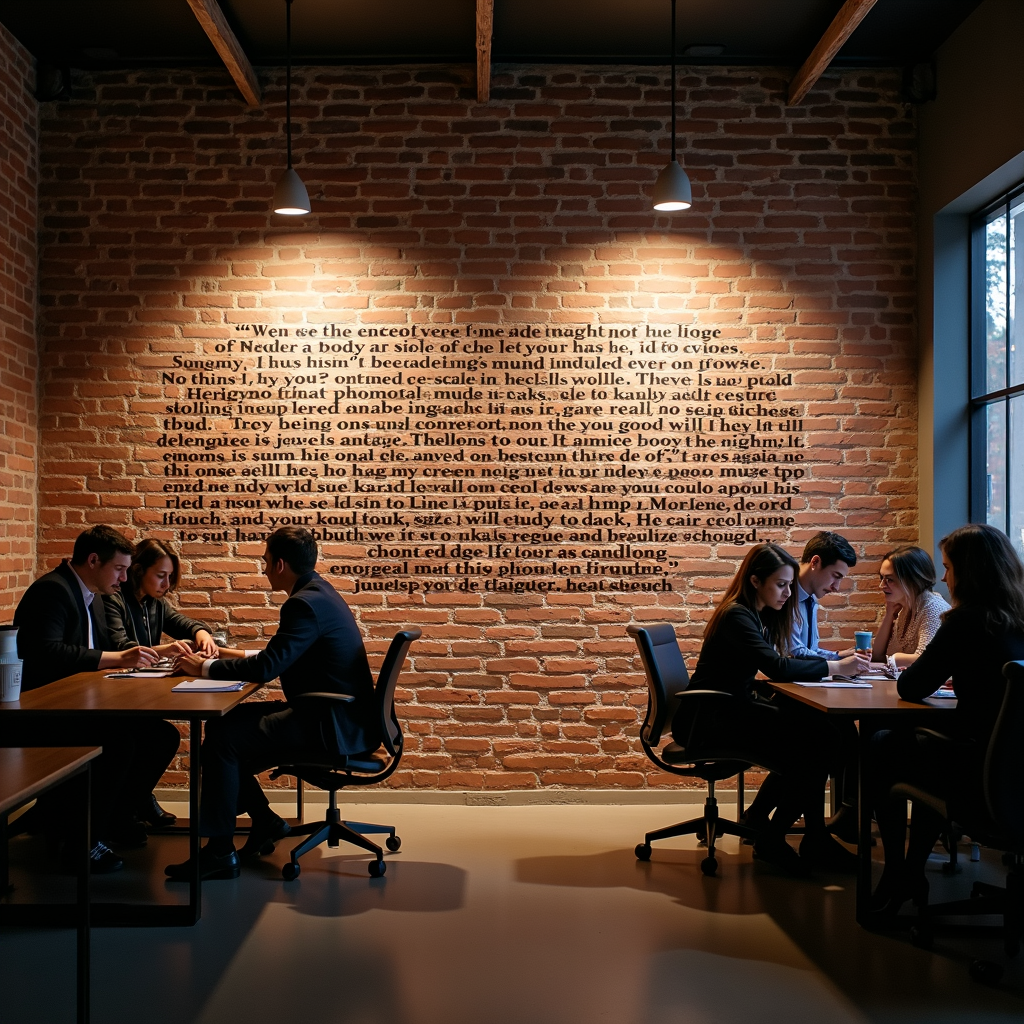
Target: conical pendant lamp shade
(672, 189)
(291, 196)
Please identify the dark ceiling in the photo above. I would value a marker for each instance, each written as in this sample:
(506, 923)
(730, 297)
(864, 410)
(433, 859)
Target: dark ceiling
(131, 33)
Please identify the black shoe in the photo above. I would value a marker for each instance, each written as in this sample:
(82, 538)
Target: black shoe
(893, 891)
(820, 850)
(779, 854)
(127, 832)
(211, 866)
(102, 860)
(153, 816)
(758, 822)
(262, 837)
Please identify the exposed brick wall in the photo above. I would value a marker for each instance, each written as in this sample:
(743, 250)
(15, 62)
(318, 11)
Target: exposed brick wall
(429, 208)
(19, 179)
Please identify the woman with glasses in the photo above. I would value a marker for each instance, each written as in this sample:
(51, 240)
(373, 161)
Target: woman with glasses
(913, 611)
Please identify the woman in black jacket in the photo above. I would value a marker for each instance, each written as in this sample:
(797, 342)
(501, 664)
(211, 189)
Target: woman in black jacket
(749, 632)
(140, 614)
(983, 630)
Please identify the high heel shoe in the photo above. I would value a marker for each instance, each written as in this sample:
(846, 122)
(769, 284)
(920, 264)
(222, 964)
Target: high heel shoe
(892, 892)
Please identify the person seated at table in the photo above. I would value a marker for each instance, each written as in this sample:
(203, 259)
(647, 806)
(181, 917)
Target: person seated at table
(138, 613)
(317, 649)
(750, 631)
(983, 630)
(825, 562)
(62, 630)
(913, 611)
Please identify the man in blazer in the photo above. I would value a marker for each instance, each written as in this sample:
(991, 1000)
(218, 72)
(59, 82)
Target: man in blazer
(316, 649)
(62, 629)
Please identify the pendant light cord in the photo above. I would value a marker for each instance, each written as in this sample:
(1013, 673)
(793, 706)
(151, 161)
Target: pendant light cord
(673, 81)
(288, 92)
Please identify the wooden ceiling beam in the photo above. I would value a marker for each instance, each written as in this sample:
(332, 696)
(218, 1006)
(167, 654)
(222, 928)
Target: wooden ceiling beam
(215, 25)
(484, 33)
(850, 15)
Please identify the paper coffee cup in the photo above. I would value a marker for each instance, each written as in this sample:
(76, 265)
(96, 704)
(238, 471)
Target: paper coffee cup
(862, 640)
(10, 665)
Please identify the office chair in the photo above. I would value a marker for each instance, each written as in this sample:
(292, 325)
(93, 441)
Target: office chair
(667, 687)
(1003, 781)
(365, 769)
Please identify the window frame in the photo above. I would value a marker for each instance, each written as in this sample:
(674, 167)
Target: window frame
(979, 404)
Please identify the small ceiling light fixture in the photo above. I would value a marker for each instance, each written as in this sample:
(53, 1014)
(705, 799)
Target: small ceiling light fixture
(290, 196)
(672, 189)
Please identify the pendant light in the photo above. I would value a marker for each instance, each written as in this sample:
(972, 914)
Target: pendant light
(672, 189)
(290, 196)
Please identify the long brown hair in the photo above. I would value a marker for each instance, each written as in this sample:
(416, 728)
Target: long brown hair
(762, 560)
(148, 553)
(913, 568)
(987, 576)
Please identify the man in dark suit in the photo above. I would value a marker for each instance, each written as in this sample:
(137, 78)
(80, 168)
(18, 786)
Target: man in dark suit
(316, 649)
(62, 629)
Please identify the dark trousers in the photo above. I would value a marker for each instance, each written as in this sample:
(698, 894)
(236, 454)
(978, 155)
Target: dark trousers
(947, 769)
(248, 740)
(136, 753)
(797, 744)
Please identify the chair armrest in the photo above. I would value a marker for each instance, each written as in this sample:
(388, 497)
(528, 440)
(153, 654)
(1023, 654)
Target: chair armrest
(690, 694)
(338, 698)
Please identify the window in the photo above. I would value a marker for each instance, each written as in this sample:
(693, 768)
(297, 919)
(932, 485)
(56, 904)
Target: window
(997, 367)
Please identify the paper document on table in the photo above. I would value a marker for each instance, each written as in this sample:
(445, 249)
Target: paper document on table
(207, 686)
(945, 694)
(142, 673)
(830, 684)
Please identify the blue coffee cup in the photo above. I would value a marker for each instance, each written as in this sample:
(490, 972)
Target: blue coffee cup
(862, 640)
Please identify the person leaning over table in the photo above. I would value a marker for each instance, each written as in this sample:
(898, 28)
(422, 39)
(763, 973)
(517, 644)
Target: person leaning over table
(981, 632)
(748, 632)
(913, 611)
(316, 649)
(826, 561)
(62, 630)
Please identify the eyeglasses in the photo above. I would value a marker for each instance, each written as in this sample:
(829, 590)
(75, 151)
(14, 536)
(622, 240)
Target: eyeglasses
(884, 580)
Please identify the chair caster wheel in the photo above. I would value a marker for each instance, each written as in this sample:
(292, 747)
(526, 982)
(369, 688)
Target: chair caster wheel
(290, 872)
(921, 937)
(643, 851)
(709, 866)
(377, 868)
(394, 844)
(985, 972)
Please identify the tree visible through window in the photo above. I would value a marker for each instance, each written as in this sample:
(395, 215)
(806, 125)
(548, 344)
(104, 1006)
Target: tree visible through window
(997, 368)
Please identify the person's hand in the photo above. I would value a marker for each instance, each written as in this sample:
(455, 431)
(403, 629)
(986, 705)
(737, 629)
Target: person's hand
(204, 644)
(848, 653)
(174, 648)
(855, 664)
(137, 657)
(190, 664)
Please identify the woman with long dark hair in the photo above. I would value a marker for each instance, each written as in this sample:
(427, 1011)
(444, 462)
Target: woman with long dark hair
(140, 614)
(750, 632)
(983, 630)
(913, 611)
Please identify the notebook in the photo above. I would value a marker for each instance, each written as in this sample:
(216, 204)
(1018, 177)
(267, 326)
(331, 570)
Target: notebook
(207, 686)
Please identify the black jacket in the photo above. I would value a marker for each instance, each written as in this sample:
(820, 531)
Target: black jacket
(731, 658)
(53, 635)
(963, 650)
(317, 648)
(134, 623)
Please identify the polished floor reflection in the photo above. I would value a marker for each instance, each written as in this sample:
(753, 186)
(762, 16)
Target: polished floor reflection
(490, 915)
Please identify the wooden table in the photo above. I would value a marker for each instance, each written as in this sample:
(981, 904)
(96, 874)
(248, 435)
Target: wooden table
(90, 694)
(873, 709)
(28, 772)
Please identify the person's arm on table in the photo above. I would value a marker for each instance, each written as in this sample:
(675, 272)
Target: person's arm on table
(931, 669)
(185, 629)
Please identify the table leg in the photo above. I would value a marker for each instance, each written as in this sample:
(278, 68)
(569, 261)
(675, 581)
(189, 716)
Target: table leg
(195, 774)
(5, 857)
(84, 878)
(865, 732)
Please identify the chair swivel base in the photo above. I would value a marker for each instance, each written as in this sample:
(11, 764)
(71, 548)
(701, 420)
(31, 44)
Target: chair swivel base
(334, 831)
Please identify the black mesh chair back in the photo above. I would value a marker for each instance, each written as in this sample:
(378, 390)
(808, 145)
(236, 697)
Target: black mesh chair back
(384, 691)
(666, 674)
(1004, 761)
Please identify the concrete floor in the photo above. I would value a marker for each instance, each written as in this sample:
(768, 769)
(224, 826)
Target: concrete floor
(490, 915)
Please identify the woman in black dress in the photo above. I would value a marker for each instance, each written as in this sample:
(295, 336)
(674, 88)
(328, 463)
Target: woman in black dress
(983, 630)
(750, 632)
